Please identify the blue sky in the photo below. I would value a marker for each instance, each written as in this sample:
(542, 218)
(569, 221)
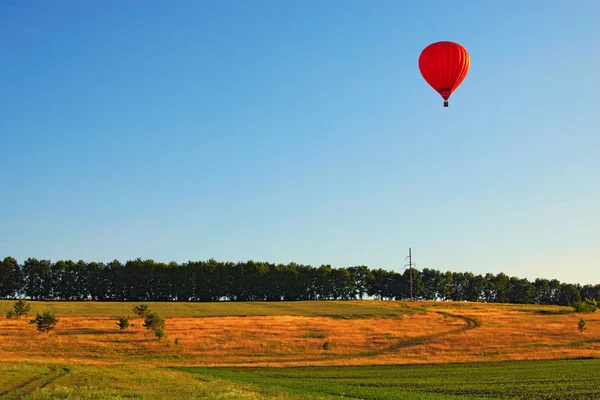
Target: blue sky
(302, 131)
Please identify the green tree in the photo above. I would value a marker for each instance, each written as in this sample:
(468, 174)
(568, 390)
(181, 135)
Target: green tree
(97, 284)
(402, 284)
(554, 291)
(460, 282)
(137, 279)
(360, 276)
(20, 309)
(80, 275)
(447, 286)
(114, 275)
(541, 293)
(418, 285)
(324, 284)
(500, 285)
(63, 280)
(38, 278)
(476, 288)
(489, 291)
(155, 323)
(568, 294)
(381, 284)
(183, 281)
(520, 291)
(432, 284)
(141, 310)
(590, 291)
(123, 323)
(45, 322)
(342, 284)
(10, 277)
(160, 333)
(284, 282)
(586, 306)
(581, 325)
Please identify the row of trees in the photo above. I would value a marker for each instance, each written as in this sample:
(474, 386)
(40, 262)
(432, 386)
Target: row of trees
(147, 280)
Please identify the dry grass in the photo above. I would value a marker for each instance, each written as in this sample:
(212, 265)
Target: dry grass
(444, 332)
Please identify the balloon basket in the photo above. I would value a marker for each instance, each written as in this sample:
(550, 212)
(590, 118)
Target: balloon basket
(445, 103)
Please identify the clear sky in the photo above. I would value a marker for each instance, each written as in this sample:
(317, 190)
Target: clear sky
(302, 131)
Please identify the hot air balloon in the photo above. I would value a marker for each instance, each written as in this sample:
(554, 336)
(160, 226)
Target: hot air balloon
(444, 65)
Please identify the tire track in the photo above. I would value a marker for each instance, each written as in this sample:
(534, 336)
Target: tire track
(18, 386)
(470, 323)
(19, 391)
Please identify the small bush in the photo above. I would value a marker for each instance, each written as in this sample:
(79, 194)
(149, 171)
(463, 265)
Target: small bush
(45, 322)
(123, 323)
(581, 325)
(587, 306)
(20, 309)
(155, 323)
(141, 310)
(159, 333)
(176, 340)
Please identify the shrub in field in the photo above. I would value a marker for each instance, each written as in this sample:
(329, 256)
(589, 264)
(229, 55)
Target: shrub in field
(45, 322)
(581, 325)
(587, 306)
(141, 310)
(160, 333)
(123, 323)
(155, 323)
(20, 309)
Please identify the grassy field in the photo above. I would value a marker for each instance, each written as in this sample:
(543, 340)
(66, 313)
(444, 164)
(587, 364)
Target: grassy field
(42, 381)
(561, 379)
(221, 309)
(87, 346)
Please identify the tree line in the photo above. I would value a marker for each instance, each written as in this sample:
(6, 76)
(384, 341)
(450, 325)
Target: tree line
(148, 280)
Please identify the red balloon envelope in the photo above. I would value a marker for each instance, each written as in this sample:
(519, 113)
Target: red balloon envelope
(444, 65)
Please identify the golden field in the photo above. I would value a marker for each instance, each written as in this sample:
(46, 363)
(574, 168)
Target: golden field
(294, 334)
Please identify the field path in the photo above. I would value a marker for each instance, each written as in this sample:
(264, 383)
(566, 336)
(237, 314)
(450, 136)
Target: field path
(23, 389)
(471, 323)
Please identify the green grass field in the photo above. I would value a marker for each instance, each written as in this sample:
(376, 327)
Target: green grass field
(559, 379)
(218, 309)
(33, 381)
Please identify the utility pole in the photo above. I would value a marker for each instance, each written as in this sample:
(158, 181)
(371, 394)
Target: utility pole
(410, 265)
